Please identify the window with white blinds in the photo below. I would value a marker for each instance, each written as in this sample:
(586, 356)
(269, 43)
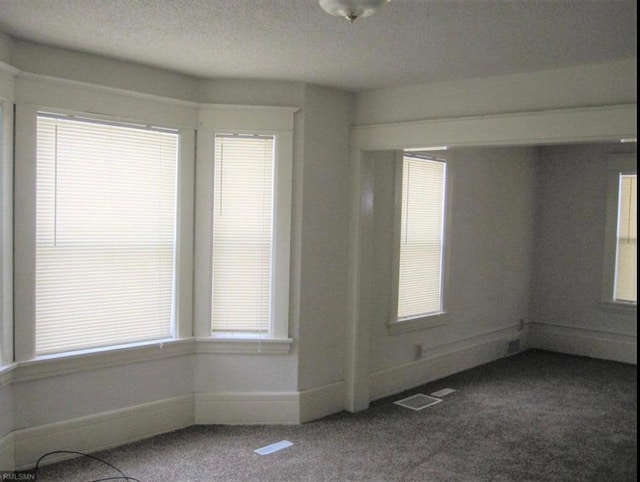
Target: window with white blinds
(242, 233)
(421, 236)
(626, 279)
(105, 233)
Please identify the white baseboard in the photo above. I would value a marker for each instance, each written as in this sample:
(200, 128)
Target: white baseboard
(101, 431)
(460, 356)
(578, 341)
(247, 408)
(7, 450)
(322, 401)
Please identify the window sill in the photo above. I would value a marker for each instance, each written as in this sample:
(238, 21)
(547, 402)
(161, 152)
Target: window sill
(619, 307)
(233, 343)
(418, 323)
(65, 363)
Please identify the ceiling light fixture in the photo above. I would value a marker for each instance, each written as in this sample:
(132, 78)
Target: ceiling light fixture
(351, 9)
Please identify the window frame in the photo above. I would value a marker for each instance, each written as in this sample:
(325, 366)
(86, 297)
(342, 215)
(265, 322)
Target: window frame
(617, 164)
(26, 115)
(394, 324)
(246, 120)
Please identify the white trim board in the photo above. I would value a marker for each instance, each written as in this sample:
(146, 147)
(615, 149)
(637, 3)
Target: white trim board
(584, 342)
(557, 126)
(319, 402)
(101, 431)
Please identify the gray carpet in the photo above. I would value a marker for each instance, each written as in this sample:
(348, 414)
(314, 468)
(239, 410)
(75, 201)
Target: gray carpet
(537, 416)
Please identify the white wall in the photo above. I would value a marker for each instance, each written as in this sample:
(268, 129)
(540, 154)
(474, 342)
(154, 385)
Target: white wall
(490, 252)
(576, 104)
(6, 48)
(6, 215)
(252, 92)
(319, 231)
(6, 410)
(569, 242)
(6, 427)
(324, 230)
(583, 86)
(53, 399)
(93, 69)
(490, 236)
(240, 374)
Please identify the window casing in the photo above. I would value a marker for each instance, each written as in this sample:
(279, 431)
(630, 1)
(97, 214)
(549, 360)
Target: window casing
(105, 233)
(419, 273)
(619, 282)
(272, 130)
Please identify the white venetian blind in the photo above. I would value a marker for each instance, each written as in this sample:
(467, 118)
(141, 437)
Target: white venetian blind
(626, 288)
(242, 233)
(421, 237)
(105, 234)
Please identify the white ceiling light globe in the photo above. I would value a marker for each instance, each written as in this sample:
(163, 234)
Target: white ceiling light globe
(351, 9)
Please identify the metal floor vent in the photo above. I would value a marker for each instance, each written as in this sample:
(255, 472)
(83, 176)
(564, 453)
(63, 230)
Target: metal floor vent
(418, 402)
(443, 393)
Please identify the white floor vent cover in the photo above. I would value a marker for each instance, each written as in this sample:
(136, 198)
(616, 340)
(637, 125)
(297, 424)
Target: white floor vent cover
(269, 449)
(418, 402)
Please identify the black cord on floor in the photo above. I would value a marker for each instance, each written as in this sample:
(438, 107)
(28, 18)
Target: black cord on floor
(122, 475)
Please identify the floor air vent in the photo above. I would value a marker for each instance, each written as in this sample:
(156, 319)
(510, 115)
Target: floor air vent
(418, 402)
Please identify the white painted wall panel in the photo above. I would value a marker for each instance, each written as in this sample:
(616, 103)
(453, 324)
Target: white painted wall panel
(492, 213)
(93, 69)
(243, 373)
(324, 238)
(583, 86)
(569, 239)
(58, 398)
(6, 410)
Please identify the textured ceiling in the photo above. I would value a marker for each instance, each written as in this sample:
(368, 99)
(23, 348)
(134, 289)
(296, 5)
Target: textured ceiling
(408, 42)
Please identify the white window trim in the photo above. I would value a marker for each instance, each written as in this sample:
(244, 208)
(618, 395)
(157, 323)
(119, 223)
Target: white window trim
(276, 121)
(617, 164)
(25, 225)
(429, 320)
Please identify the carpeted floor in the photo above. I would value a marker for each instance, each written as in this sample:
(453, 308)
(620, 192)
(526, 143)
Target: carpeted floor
(537, 416)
